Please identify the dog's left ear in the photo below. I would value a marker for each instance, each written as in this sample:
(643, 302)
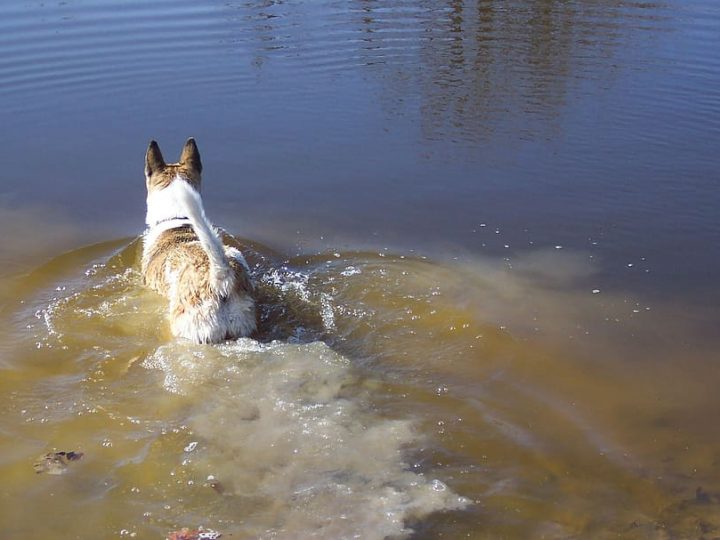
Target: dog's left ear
(190, 156)
(154, 161)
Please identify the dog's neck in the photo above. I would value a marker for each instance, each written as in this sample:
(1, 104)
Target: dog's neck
(163, 209)
(163, 214)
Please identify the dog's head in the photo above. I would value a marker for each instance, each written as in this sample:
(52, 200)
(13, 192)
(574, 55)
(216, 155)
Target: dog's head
(159, 175)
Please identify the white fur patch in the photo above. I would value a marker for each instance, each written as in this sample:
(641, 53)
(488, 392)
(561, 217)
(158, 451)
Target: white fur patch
(162, 205)
(215, 320)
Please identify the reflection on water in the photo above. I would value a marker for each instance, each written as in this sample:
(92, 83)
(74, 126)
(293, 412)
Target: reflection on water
(490, 305)
(470, 68)
(486, 66)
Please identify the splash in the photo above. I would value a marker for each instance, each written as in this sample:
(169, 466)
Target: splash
(285, 426)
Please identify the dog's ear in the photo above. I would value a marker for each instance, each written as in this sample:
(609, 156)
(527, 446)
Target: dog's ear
(190, 156)
(154, 161)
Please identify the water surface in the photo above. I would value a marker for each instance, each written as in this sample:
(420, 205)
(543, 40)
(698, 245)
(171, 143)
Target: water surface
(485, 237)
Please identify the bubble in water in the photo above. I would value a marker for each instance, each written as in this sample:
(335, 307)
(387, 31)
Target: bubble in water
(350, 271)
(437, 485)
(190, 447)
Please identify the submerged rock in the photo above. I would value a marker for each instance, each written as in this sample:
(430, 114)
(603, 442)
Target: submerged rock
(55, 462)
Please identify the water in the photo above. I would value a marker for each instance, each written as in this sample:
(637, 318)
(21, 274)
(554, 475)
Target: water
(484, 236)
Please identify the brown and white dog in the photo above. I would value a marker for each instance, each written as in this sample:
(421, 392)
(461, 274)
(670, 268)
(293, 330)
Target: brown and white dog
(184, 258)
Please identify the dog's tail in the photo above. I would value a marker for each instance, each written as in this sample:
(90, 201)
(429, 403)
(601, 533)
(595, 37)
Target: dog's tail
(189, 200)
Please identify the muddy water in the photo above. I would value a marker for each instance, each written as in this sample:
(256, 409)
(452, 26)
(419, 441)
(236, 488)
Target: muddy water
(484, 236)
(386, 394)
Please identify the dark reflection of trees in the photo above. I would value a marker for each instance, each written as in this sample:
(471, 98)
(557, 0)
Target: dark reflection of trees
(484, 65)
(471, 66)
(256, 26)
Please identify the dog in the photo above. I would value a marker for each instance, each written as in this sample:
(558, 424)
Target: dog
(184, 258)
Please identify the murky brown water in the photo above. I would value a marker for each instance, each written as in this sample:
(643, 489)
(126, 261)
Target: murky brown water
(485, 237)
(386, 388)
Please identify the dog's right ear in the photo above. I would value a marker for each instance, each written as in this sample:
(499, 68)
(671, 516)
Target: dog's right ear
(190, 156)
(154, 161)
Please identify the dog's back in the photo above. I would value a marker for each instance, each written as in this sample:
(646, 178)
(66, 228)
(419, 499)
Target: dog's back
(206, 282)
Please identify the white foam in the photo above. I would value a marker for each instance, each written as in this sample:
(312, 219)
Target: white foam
(276, 424)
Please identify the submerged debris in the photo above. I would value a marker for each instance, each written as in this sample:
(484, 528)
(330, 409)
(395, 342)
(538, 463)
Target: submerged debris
(702, 496)
(215, 484)
(196, 534)
(55, 462)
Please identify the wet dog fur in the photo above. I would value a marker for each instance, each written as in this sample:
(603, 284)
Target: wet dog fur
(206, 282)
